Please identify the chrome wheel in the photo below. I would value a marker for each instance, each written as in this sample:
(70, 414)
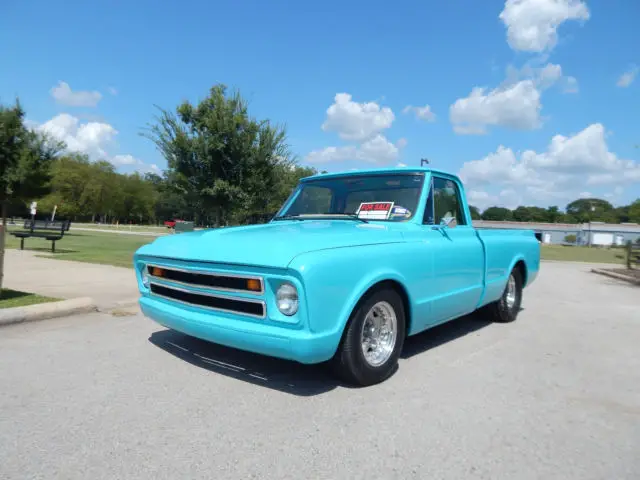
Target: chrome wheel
(379, 333)
(511, 292)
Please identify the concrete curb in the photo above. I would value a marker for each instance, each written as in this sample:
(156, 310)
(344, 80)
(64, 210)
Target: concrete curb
(107, 307)
(617, 276)
(43, 311)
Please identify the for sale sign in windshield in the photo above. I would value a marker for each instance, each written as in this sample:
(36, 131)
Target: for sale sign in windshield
(375, 210)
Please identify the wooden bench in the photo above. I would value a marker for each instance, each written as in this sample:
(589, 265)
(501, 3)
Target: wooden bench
(52, 231)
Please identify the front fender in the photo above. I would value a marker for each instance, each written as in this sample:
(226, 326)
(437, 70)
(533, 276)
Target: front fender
(335, 280)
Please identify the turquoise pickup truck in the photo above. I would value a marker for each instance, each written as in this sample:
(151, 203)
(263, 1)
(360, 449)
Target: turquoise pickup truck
(351, 265)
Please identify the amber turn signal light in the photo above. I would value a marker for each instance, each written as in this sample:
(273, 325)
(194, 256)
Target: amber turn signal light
(253, 285)
(157, 272)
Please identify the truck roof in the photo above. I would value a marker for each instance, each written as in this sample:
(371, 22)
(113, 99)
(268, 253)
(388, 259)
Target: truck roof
(376, 171)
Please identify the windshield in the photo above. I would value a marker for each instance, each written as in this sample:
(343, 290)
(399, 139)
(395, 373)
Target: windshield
(392, 197)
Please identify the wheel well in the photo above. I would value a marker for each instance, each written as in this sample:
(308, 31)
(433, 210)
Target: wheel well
(400, 290)
(522, 268)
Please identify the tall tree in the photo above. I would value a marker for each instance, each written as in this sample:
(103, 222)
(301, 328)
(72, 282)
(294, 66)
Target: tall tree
(475, 213)
(25, 161)
(221, 159)
(553, 214)
(586, 209)
(497, 214)
(634, 211)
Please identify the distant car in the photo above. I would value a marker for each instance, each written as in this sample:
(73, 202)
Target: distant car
(350, 266)
(171, 223)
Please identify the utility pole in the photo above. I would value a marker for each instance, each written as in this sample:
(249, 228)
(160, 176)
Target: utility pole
(423, 161)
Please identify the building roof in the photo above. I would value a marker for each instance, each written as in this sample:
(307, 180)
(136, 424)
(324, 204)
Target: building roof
(612, 227)
(577, 227)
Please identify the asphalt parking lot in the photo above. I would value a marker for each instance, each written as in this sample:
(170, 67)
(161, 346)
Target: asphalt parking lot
(555, 395)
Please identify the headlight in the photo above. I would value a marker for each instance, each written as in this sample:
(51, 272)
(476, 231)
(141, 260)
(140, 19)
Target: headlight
(145, 278)
(287, 299)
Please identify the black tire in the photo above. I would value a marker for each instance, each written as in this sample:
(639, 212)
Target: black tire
(500, 311)
(349, 362)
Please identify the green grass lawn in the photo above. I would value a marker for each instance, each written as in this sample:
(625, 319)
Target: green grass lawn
(92, 247)
(15, 298)
(582, 254)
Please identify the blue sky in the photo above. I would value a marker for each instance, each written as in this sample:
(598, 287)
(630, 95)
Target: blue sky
(530, 101)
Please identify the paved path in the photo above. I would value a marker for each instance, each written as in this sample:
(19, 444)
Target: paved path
(554, 395)
(107, 285)
(122, 231)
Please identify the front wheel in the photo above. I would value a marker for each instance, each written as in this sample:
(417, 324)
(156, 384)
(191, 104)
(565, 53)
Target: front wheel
(507, 307)
(373, 340)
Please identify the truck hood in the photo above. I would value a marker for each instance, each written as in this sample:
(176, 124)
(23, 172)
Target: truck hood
(270, 245)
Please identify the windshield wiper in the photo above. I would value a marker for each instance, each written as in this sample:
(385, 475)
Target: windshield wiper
(315, 216)
(352, 216)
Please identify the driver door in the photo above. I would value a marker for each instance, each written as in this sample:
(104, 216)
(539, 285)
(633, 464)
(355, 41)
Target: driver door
(458, 256)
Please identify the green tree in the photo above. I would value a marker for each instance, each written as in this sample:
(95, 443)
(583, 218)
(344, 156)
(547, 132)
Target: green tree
(139, 198)
(591, 209)
(497, 214)
(222, 160)
(70, 175)
(634, 211)
(25, 160)
(553, 214)
(103, 195)
(522, 214)
(475, 213)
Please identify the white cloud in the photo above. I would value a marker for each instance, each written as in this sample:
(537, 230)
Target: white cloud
(501, 167)
(515, 103)
(561, 172)
(356, 121)
(549, 75)
(514, 106)
(63, 95)
(571, 85)
(130, 160)
(628, 77)
(422, 113)
(532, 25)
(377, 150)
(148, 168)
(585, 152)
(90, 138)
(120, 160)
(543, 76)
(482, 200)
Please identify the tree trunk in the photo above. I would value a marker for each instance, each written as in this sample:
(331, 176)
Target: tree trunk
(2, 238)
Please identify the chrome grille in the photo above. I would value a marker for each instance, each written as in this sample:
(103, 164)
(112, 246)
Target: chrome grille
(242, 306)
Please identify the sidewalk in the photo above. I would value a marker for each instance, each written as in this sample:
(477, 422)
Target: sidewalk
(108, 286)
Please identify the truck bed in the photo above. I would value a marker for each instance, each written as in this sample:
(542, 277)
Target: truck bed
(503, 249)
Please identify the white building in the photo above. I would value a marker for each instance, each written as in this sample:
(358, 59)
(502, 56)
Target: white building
(594, 233)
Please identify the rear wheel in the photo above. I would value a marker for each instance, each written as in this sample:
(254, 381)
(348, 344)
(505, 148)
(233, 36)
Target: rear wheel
(373, 340)
(507, 307)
